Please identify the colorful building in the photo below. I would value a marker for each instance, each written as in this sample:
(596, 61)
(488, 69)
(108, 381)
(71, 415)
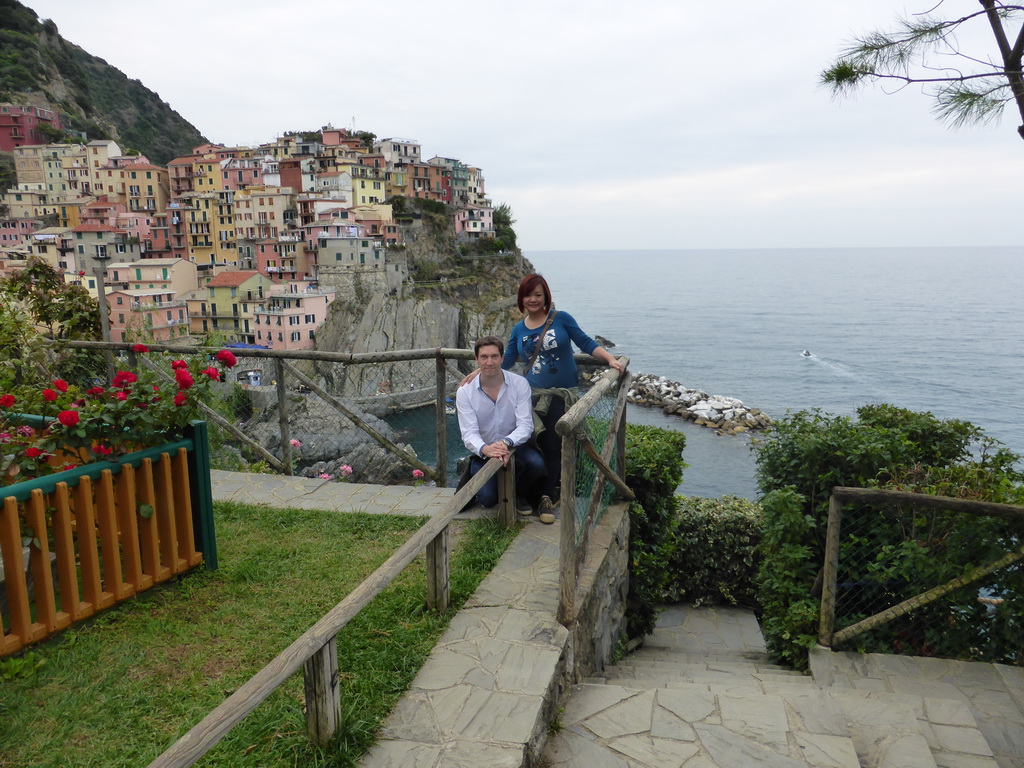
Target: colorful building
(289, 320)
(20, 125)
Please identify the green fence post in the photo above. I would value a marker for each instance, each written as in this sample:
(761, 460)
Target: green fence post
(202, 494)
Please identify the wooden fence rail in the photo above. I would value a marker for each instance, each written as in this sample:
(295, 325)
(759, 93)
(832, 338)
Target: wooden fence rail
(316, 653)
(827, 636)
(575, 537)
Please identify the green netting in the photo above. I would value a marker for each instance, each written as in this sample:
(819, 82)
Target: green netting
(588, 473)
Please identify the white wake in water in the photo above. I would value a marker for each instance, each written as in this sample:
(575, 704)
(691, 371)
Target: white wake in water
(836, 367)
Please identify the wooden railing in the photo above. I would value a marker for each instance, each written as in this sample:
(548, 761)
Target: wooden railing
(575, 533)
(316, 651)
(108, 529)
(827, 636)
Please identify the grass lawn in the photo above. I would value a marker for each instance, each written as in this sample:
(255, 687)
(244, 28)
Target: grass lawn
(123, 687)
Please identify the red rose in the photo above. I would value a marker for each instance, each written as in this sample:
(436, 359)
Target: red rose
(212, 372)
(184, 378)
(141, 348)
(180, 399)
(179, 364)
(6, 401)
(49, 395)
(81, 273)
(123, 378)
(68, 418)
(122, 395)
(33, 452)
(227, 358)
(60, 385)
(102, 450)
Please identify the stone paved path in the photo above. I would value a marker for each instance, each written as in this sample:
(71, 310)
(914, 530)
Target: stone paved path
(701, 694)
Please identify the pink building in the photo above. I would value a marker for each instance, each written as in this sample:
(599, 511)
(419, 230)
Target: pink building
(150, 314)
(19, 126)
(473, 223)
(242, 172)
(289, 320)
(17, 231)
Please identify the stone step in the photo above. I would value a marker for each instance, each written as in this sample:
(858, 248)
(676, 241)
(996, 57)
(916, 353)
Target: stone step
(992, 693)
(684, 665)
(609, 725)
(734, 677)
(669, 654)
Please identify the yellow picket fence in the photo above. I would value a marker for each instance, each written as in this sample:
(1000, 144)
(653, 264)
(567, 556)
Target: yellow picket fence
(106, 532)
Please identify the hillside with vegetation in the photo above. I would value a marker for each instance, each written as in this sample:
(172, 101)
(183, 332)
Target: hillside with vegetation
(41, 68)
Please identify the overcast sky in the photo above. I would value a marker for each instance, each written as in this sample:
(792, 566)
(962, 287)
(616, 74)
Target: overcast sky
(649, 124)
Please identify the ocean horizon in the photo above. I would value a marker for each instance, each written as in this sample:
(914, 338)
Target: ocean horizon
(930, 329)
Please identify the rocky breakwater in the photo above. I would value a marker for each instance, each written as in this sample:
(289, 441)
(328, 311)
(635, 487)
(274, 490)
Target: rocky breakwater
(726, 414)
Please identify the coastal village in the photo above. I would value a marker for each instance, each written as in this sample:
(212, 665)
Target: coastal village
(250, 244)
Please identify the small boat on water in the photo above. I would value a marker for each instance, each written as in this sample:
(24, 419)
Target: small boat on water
(806, 353)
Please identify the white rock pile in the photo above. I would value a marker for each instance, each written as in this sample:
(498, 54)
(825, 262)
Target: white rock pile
(726, 414)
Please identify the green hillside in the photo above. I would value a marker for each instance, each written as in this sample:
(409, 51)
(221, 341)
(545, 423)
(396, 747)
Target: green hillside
(39, 67)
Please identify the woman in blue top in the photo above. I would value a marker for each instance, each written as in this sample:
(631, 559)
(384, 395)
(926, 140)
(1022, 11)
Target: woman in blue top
(552, 374)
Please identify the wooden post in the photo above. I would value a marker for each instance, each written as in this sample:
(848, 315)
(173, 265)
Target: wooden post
(567, 552)
(439, 571)
(507, 492)
(442, 422)
(282, 417)
(323, 704)
(831, 568)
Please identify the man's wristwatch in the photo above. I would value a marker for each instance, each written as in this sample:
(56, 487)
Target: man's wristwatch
(507, 441)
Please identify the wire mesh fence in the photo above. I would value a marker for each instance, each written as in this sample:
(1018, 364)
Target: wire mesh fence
(589, 477)
(930, 582)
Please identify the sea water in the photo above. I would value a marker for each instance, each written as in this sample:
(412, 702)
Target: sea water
(932, 329)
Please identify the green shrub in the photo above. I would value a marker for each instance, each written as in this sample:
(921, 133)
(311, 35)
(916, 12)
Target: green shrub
(889, 554)
(713, 551)
(654, 469)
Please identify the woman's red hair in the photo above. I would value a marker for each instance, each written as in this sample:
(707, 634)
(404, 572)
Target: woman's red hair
(528, 285)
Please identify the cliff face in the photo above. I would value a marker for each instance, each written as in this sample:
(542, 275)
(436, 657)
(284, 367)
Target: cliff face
(448, 300)
(41, 68)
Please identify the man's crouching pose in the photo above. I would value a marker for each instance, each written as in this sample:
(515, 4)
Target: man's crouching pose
(495, 416)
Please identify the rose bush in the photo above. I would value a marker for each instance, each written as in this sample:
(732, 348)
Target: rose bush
(137, 409)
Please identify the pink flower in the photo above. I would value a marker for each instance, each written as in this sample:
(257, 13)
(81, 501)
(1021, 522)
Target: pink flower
(6, 437)
(124, 378)
(6, 401)
(140, 348)
(60, 385)
(66, 467)
(177, 364)
(102, 450)
(180, 399)
(324, 476)
(184, 378)
(345, 470)
(294, 443)
(25, 430)
(417, 474)
(227, 358)
(49, 395)
(212, 372)
(68, 418)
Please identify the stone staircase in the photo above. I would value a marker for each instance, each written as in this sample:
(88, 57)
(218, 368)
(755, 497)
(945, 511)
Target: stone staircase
(701, 693)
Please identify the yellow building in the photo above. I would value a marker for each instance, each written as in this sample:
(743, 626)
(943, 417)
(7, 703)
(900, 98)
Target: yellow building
(227, 303)
(146, 187)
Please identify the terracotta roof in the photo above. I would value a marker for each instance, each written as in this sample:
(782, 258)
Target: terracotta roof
(231, 279)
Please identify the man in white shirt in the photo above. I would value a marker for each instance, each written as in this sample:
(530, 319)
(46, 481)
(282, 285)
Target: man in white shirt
(495, 416)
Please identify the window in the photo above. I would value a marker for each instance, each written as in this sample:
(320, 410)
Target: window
(296, 336)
